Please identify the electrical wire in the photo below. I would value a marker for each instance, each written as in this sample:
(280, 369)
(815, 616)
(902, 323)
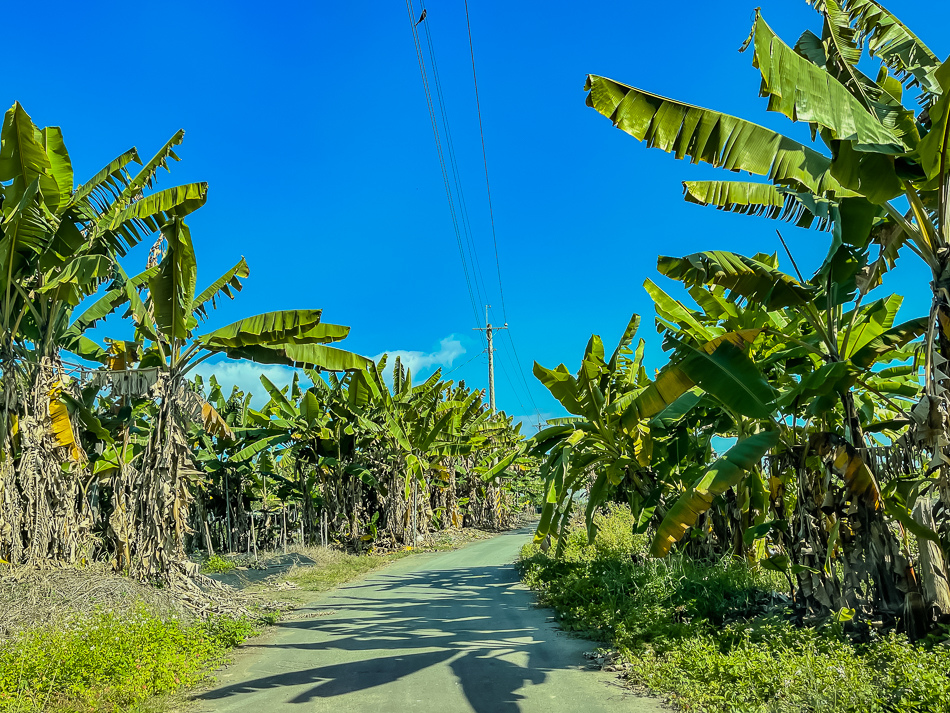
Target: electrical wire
(491, 210)
(441, 156)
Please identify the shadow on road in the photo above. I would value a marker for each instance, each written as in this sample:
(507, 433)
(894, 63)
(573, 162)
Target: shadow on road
(388, 627)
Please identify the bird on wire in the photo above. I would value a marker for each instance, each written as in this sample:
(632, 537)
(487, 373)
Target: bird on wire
(422, 16)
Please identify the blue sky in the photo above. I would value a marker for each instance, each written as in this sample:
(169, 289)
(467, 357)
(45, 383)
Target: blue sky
(309, 122)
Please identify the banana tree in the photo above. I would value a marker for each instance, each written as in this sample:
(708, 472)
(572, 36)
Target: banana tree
(618, 411)
(878, 178)
(58, 244)
(166, 321)
(841, 371)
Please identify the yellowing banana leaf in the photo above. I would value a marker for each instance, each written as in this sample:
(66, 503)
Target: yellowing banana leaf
(213, 423)
(722, 475)
(61, 426)
(710, 136)
(847, 463)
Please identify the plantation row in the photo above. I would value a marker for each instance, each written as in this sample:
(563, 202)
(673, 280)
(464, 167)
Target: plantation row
(852, 504)
(123, 455)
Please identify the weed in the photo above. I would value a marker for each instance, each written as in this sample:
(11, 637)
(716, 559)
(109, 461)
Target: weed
(105, 661)
(216, 564)
(701, 633)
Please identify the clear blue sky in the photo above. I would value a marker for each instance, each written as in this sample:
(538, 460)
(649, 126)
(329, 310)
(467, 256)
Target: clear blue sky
(310, 124)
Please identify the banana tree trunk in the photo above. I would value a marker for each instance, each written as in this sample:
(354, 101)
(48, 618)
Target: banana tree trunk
(53, 519)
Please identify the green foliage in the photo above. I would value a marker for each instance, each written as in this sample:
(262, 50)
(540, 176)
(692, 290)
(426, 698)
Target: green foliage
(705, 634)
(216, 564)
(108, 661)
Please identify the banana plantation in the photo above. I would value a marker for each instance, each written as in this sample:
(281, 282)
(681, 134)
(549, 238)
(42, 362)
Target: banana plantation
(837, 401)
(112, 447)
(801, 421)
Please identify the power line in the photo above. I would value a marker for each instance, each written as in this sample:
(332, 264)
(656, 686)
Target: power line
(438, 143)
(465, 364)
(450, 149)
(481, 132)
(491, 210)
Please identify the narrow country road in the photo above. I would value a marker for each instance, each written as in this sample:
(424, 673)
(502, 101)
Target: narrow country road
(438, 632)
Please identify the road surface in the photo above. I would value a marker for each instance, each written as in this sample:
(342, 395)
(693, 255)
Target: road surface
(441, 633)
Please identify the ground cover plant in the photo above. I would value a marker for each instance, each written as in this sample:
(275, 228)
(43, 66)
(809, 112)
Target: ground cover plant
(106, 661)
(715, 635)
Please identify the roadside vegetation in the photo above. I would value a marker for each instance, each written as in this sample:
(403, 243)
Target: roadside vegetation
(111, 662)
(717, 635)
(800, 422)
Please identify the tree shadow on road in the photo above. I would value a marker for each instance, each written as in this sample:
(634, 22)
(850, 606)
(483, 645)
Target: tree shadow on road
(389, 627)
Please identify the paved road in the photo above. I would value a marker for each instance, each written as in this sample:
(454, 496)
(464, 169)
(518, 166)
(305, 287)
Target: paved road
(446, 633)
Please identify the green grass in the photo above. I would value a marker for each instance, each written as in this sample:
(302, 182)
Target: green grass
(712, 636)
(110, 662)
(334, 568)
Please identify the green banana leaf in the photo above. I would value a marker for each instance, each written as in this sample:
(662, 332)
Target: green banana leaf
(745, 276)
(722, 475)
(172, 288)
(804, 92)
(711, 137)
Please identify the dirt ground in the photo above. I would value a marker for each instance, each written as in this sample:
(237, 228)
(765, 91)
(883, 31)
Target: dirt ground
(29, 596)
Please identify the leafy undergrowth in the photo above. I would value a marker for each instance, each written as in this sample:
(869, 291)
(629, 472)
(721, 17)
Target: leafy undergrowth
(110, 662)
(699, 634)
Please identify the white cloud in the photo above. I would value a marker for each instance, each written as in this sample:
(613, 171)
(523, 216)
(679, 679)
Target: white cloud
(246, 375)
(449, 350)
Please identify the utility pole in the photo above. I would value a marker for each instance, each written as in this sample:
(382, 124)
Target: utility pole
(488, 329)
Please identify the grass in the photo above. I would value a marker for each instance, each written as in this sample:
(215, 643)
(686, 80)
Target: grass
(714, 637)
(330, 569)
(110, 662)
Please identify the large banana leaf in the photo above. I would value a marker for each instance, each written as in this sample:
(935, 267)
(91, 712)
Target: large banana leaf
(109, 180)
(146, 214)
(172, 288)
(274, 327)
(60, 166)
(676, 312)
(722, 475)
(146, 176)
(231, 280)
(720, 367)
(894, 338)
(745, 276)
(762, 199)
(313, 356)
(804, 92)
(710, 136)
(888, 39)
(563, 387)
(23, 158)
